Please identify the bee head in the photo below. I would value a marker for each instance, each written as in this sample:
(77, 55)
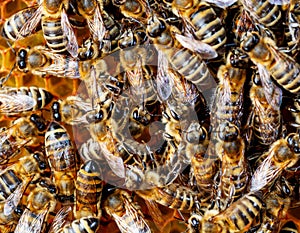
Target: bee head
(249, 41)
(195, 223)
(39, 122)
(294, 142)
(21, 60)
(56, 111)
(40, 158)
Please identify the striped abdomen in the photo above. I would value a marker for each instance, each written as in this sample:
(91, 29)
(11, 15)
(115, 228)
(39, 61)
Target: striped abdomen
(208, 27)
(54, 35)
(89, 187)
(13, 25)
(9, 182)
(240, 215)
(59, 148)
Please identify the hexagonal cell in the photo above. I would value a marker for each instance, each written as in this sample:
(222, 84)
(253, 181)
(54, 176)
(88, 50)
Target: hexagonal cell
(11, 7)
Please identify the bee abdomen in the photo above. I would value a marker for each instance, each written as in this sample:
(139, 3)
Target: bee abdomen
(54, 35)
(8, 184)
(84, 224)
(12, 26)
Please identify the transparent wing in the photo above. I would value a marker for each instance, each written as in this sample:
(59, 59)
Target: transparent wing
(205, 50)
(131, 221)
(155, 213)
(222, 3)
(280, 2)
(72, 45)
(13, 200)
(16, 103)
(31, 24)
(31, 222)
(265, 173)
(96, 25)
(115, 163)
(164, 80)
(60, 219)
(273, 93)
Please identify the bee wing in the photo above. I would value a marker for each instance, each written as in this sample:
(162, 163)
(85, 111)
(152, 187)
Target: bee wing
(29, 224)
(222, 3)
(60, 219)
(279, 2)
(72, 45)
(96, 25)
(205, 50)
(115, 163)
(13, 200)
(265, 173)
(31, 24)
(131, 221)
(164, 80)
(17, 103)
(273, 93)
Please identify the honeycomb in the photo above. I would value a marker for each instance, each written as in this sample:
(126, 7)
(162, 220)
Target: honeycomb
(173, 222)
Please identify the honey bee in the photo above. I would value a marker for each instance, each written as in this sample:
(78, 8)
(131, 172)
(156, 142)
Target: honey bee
(267, 13)
(282, 155)
(125, 212)
(41, 61)
(29, 129)
(234, 168)
(238, 217)
(197, 15)
(292, 33)
(84, 224)
(24, 99)
(56, 27)
(9, 221)
(132, 9)
(72, 110)
(204, 167)
(13, 25)
(277, 204)
(188, 63)
(88, 190)
(283, 68)
(61, 155)
(92, 12)
(15, 178)
(173, 196)
(265, 117)
(41, 201)
(228, 103)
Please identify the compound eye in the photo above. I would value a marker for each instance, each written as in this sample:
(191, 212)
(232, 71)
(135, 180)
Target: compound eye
(256, 80)
(175, 115)
(21, 64)
(22, 53)
(294, 143)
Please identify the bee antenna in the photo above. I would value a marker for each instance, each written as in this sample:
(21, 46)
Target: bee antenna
(12, 49)
(7, 76)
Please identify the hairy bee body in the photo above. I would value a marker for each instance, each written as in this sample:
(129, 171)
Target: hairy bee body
(234, 168)
(173, 196)
(41, 61)
(88, 190)
(228, 103)
(13, 25)
(266, 120)
(284, 69)
(186, 62)
(33, 99)
(62, 159)
(72, 110)
(125, 212)
(206, 25)
(264, 12)
(26, 169)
